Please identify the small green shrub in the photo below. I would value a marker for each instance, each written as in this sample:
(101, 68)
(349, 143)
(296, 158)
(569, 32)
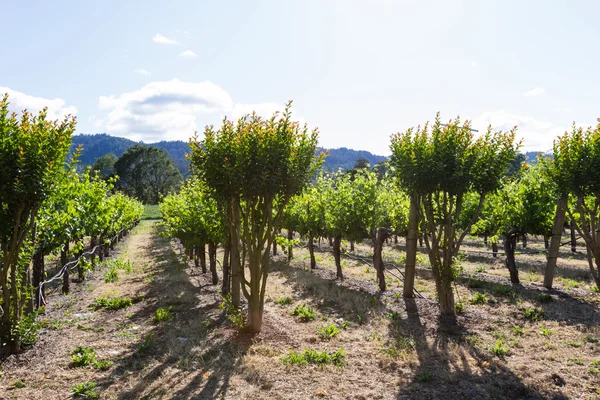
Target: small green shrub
(480, 269)
(85, 390)
(459, 307)
(518, 331)
(233, 314)
(499, 350)
(544, 298)
(591, 339)
(596, 363)
(533, 314)
(111, 275)
(315, 357)
(163, 314)
(126, 266)
(305, 313)
(28, 329)
(18, 384)
(111, 303)
(478, 298)
(425, 376)
(595, 289)
(83, 356)
(574, 361)
(102, 365)
(594, 371)
(284, 301)
(573, 343)
(545, 331)
(328, 332)
(147, 344)
(501, 290)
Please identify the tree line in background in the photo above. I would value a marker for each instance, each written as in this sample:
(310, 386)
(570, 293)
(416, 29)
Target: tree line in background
(47, 207)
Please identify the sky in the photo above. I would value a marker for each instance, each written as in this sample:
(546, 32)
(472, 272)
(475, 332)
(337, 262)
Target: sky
(358, 71)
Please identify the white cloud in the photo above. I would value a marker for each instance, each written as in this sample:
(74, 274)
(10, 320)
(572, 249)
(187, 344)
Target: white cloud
(20, 101)
(473, 63)
(173, 110)
(164, 110)
(537, 135)
(534, 92)
(188, 54)
(160, 39)
(142, 71)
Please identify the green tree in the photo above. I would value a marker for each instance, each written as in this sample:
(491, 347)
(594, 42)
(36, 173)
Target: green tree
(521, 207)
(147, 173)
(193, 216)
(255, 166)
(105, 166)
(32, 154)
(438, 166)
(305, 214)
(576, 173)
(351, 208)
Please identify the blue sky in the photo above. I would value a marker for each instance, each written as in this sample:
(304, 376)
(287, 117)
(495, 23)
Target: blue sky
(357, 70)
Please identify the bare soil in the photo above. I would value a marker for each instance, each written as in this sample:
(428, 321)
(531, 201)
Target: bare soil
(396, 348)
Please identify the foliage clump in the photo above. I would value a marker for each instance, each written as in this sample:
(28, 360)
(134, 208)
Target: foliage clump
(315, 357)
(305, 313)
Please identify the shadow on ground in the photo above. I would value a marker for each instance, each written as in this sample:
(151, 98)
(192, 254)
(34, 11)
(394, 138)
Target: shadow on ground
(185, 357)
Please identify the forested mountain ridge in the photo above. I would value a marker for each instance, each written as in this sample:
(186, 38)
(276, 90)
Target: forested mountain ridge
(95, 146)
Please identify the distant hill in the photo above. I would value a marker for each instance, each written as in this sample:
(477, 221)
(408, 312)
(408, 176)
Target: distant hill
(95, 146)
(531, 156)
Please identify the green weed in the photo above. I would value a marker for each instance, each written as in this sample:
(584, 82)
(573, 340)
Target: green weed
(499, 350)
(163, 314)
(518, 331)
(425, 376)
(544, 298)
(533, 314)
(233, 314)
(111, 303)
(284, 301)
(305, 313)
(85, 390)
(111, 275)
(83, 356)
(315, 357)
(328, 332)
(478, 298)
(545, 331)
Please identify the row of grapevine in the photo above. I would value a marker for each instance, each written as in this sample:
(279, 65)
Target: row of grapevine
(443, 185)
(44, 207)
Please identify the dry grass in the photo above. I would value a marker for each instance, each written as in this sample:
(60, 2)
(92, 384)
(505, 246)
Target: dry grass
(395, 348)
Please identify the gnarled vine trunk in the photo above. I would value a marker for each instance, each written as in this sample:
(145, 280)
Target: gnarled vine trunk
(337, 255)
(212, 258)
(411, 248)
(382, 235)
(510, 244)
(225, 287)
(63, 261)
(311, 250)
(38, 276)
(202, 257)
